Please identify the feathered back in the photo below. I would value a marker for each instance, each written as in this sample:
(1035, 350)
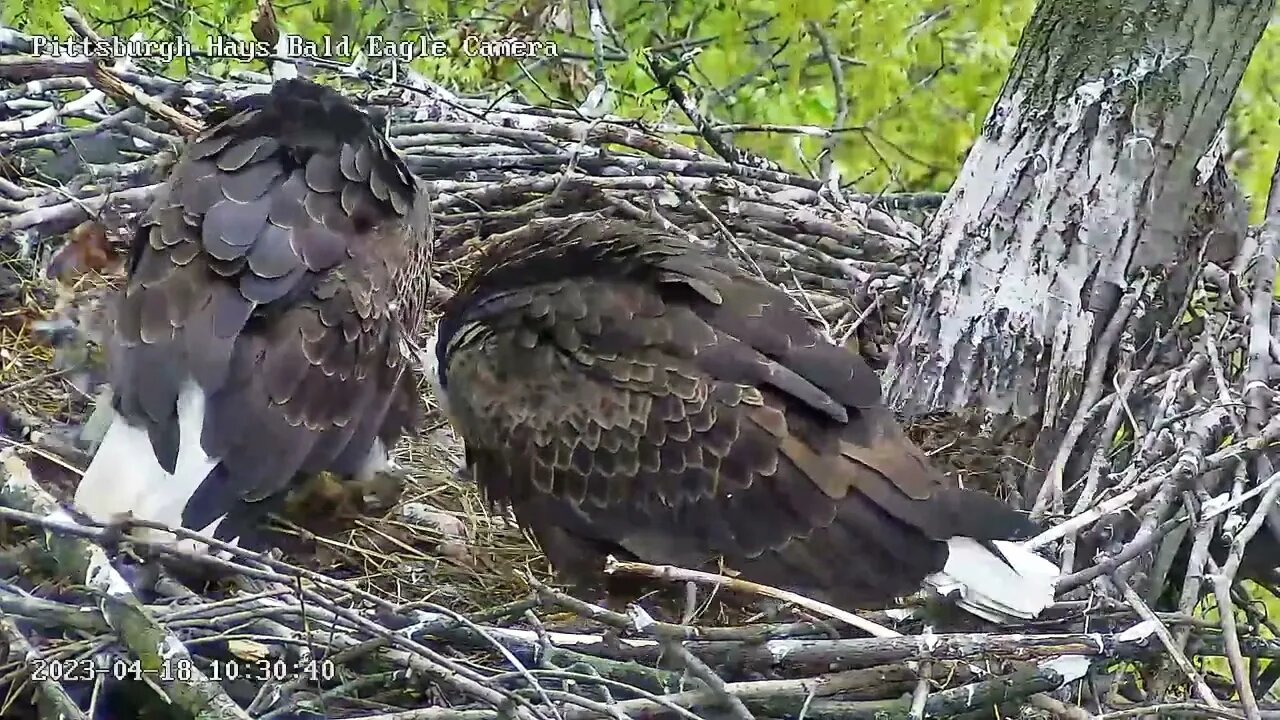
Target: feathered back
(628, 393)
(270, 271)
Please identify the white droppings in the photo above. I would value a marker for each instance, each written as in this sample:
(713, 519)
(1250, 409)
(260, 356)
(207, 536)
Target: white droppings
(779, 649)
(1097, 638)
(103, 577)
(1141, 631)
(170, 648)
(641, 620)
(1090, 92)
(900, 614)
(18, 476)
(928, 640)
(1070, 667)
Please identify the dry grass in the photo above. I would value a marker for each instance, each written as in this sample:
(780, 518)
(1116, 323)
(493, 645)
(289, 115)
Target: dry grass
(30, 383)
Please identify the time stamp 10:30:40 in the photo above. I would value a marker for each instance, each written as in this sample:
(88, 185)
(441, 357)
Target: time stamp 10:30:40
(178, 669)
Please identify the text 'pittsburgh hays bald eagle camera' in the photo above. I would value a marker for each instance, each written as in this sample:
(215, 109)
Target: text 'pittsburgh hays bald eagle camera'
(626, 393)
(260, 336)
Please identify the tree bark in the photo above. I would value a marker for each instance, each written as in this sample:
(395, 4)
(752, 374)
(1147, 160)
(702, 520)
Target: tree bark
(1094, 165)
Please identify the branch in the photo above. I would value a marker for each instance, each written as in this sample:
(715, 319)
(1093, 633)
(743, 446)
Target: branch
(162, 656)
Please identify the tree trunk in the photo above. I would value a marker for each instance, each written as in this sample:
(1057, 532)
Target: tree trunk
(1094, 164)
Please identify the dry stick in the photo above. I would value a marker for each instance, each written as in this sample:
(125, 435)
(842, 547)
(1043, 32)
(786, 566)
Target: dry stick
(1202, 712)
(1204, 531)
(1158, 627)
(1094, 475)
(429, 623)
(1059, 709)
(1260, 337)
(1189, 464)
(106, 80)
(61, 706)
(1222, 579)
(433, 663)
(1083, 520)
(1105, 565)
(667, 78)
(826, 164)
(420, 658)
(699, 670)
(87, 563)
(820, 653)
(788, 697)
(672, 573)
(920, 696)
(65, 215)
(111, 84)
(1050, 496)
(669, 572)
(1231, 638)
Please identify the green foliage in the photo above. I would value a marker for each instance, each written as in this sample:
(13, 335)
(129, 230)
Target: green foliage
(1256, 134)
(918, 75)
(1265, 603)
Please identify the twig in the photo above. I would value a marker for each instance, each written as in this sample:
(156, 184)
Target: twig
(62, 706)
(1192, 710)
(1222, 580)
(1050, 496)
(827, 162)
(161, 654)
(668, 572)
(1157, 626)
(699, 669)
(1257, 371)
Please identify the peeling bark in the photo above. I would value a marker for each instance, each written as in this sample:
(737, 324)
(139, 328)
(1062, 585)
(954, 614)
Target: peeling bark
(1095, 164)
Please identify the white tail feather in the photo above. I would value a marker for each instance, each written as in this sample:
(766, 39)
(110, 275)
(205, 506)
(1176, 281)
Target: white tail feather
(1002, 590)
(125, 477)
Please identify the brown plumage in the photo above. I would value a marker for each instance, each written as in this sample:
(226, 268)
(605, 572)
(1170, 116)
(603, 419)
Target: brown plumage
(626, 393)
(279, 272)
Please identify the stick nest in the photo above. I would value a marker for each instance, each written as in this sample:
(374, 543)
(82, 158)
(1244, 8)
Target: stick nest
(434, 608)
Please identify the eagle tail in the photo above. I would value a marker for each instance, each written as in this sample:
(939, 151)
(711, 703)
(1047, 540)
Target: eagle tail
(1002, 582)
(125, 478)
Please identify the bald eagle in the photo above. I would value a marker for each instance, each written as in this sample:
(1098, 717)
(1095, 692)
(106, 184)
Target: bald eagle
(264, 329)
(626, 393)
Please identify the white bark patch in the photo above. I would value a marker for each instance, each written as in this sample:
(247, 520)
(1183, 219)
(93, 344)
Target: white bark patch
(1036, 209)
(1011, 284)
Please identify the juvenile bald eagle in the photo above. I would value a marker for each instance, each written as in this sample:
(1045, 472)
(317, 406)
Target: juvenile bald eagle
(260, 336)
(626, 393)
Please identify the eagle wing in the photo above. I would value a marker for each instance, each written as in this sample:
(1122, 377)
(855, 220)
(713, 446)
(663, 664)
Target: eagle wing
(264, 272)
(680, 411)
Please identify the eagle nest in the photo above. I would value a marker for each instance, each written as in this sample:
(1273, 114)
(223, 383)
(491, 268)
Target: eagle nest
(435, 609)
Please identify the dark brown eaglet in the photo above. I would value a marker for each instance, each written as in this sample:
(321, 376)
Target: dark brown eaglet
(628, 393)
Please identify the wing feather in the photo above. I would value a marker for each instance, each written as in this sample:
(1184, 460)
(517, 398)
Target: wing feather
(251, 277)
(672, 407)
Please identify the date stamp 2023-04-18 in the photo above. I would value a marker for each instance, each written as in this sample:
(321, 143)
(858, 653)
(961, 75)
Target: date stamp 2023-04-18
(177, 669)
